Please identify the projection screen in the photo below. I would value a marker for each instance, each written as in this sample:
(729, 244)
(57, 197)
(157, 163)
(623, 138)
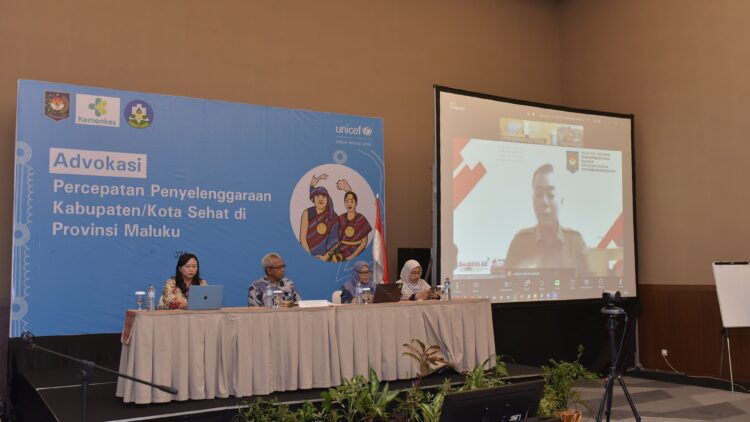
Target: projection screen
(534, 202)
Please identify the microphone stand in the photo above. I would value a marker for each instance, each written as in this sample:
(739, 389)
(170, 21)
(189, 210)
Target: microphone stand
(86, 369)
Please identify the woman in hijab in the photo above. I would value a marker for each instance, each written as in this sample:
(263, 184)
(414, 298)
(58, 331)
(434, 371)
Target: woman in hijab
(413, 287)
(362, 275)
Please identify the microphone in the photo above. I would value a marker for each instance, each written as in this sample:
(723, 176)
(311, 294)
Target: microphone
(166, 389)
(27, 337)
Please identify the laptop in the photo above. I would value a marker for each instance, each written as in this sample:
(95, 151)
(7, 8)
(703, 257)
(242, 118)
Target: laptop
(385, 293)
(206, 297)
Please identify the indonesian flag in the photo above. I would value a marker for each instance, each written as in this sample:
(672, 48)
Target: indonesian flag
(379, 256)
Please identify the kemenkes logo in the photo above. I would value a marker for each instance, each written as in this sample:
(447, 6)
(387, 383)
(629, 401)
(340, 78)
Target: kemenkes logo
(97, 110)
(354, 130)
(97, 163)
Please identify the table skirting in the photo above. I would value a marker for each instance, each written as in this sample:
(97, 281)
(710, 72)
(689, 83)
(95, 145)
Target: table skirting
(255, 351)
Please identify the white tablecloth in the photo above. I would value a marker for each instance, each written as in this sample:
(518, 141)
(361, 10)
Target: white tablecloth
(254, 351)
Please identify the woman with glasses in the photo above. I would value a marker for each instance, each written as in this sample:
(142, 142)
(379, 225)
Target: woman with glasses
(176, 290)
(362, 276)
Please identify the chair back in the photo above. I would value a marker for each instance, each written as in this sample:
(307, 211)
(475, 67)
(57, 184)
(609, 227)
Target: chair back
(336, 297)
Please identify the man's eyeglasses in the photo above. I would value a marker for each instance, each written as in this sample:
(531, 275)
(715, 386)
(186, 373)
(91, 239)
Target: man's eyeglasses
(278, 267)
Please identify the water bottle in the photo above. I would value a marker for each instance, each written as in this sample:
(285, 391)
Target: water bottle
(278, 298)
(268, 297)
(447, 289)
(151, 298)
(358, 292)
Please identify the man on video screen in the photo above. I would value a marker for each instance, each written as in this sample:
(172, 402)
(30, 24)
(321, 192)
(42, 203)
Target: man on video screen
(548, 244)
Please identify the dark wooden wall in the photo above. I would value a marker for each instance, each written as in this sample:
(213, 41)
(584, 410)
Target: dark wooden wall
(685, 320)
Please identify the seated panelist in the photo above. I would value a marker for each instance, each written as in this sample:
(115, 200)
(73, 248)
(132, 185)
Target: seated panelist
(362, 276)
(275, 270)
(177, 289)
(414, 287)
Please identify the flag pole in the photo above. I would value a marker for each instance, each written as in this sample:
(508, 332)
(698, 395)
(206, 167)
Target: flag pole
(379, 255)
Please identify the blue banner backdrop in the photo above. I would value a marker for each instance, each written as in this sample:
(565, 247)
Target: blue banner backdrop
(111, 186)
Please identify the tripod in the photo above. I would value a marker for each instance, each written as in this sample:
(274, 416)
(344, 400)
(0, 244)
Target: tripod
(613, 312)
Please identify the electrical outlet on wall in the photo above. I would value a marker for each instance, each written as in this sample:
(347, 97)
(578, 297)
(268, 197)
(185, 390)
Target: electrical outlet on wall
(664, 352)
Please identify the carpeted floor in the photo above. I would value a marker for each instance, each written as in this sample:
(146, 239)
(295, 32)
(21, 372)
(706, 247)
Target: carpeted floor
(659, 401)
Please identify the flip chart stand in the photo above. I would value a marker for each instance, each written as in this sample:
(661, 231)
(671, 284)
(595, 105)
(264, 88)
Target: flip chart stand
(732, 290)
(725, 337)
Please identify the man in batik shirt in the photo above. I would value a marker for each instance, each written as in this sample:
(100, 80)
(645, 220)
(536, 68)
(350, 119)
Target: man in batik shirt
(275, 269)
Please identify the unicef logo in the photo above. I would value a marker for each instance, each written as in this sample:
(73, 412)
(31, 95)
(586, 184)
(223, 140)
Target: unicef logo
(354, 130)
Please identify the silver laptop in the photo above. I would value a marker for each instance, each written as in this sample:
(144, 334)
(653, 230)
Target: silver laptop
(206, 297)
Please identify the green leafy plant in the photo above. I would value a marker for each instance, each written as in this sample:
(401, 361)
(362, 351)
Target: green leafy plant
(424, 406)
(363, 399)
(429, 358)
(358, 399)
(479, 378)
(260, 410)
(559, 377)
(376, 401)
(501, 368)
(407, 409)
(430, 409)
(342, 402)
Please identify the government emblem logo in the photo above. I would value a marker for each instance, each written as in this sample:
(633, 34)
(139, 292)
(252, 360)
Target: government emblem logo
(572, 161)
(139, 114)
(56, 105)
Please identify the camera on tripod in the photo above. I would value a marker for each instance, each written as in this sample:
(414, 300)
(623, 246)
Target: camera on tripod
(612, 301)
(613, 312)
(611, 298)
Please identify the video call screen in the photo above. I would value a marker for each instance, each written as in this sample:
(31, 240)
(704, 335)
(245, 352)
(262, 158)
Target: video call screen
(534, 203)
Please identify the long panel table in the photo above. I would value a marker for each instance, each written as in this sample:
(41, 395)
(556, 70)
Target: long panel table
(255, 351)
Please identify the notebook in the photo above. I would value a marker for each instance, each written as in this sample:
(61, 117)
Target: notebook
(387, 293)
(206, 297)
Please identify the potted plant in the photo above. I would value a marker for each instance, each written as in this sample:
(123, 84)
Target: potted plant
(260, 410)
(559, 399)
(359, 399)
(429, 358)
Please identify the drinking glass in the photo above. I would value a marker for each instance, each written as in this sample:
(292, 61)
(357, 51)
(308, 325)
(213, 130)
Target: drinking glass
(366, 296)
(140, 297)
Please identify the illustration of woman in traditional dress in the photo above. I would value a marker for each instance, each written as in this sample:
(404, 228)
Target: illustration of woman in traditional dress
(319, 226)
(353, 228)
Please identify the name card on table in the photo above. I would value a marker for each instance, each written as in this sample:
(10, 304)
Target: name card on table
(314, 303)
